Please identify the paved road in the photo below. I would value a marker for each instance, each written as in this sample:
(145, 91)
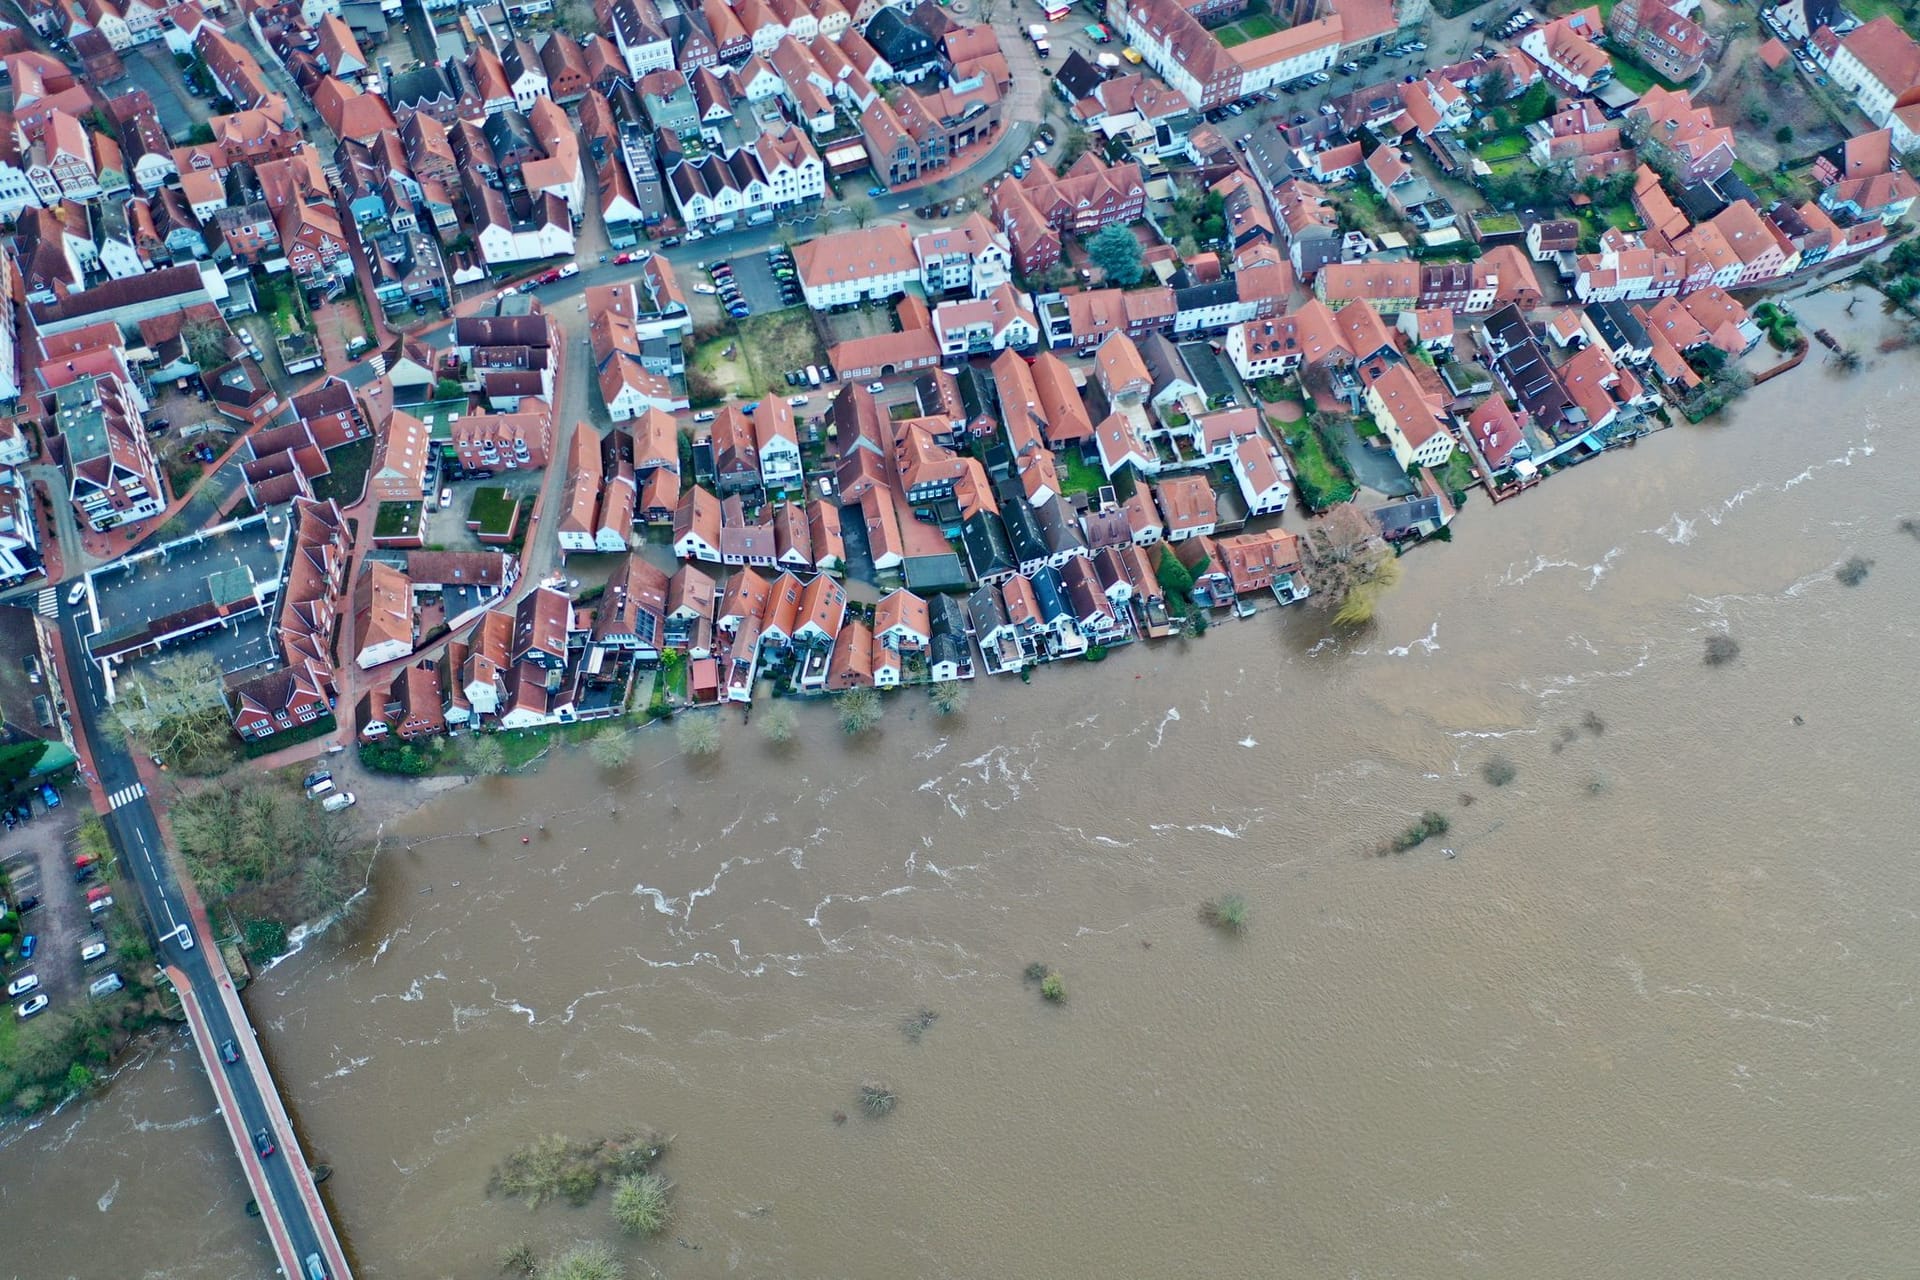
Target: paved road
(141, 845)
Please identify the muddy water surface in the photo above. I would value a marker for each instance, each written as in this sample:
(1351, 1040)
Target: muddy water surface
(1653, 1018)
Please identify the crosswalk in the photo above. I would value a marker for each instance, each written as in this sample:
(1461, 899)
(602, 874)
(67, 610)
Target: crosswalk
(126, 795)
(48, 604)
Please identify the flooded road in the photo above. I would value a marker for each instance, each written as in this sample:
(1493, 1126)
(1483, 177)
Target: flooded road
(1655, 1015)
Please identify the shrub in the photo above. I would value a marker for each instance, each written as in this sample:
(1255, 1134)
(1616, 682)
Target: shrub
(1721, 649)
(1853, 572)
(1035, 972)
(1052, 989)
(918, 1025)
(555, 1167)
(1429, 825)
(878, 1099)
(1498, 771)
(485, 755)
(517, 1258)
(587, 1260)
(640, 1204)
(1229, 913)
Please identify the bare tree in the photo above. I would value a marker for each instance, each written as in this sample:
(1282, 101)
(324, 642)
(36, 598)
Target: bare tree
(174, 707)
(206, 344)
(1351, 564)
(861, 208)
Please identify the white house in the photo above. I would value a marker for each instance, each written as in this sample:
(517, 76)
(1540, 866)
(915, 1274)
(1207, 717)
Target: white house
(1409, 418)
(975, 326)
(855, 266)
(1262, 478)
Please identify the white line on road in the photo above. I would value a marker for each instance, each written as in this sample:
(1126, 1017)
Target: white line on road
(126, 795)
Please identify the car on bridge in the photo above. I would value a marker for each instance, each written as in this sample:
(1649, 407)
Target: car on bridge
(263, 1143)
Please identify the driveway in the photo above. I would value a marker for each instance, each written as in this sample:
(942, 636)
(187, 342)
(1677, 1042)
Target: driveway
(1374, 469)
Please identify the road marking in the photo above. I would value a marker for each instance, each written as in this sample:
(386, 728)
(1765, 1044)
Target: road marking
(48, 603)
(126, 795)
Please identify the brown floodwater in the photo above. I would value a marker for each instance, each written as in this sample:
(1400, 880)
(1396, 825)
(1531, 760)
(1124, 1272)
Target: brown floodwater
(1653, 1018)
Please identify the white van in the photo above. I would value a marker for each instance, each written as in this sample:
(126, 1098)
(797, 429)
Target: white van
(105, 986)
(335, 803)
(319, 788)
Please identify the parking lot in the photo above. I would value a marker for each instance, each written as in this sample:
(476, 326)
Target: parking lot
(446, 529)
(758, 285)
(38, 859)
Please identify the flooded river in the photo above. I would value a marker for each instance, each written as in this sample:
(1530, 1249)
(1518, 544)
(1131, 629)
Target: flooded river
(1655, 1017)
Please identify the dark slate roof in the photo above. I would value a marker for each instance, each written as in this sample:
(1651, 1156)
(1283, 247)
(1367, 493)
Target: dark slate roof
(1023, 533)
(897, 40)
(1078, 76)
(424, 83)
(1051, 595)
(988, 550)
(946, 617)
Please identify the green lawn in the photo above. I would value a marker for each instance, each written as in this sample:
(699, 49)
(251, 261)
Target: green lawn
(1504, 147)
(1254, 26)
(395, 519)
(1457, 475)
(1077, 475)
(1637, 75)
(1321, 485)
(493, 510)
(344, 483)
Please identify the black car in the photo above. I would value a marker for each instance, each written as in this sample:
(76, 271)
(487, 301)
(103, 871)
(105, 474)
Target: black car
(263, 1143)
(315, 778)
(29, 903)
(86, 873)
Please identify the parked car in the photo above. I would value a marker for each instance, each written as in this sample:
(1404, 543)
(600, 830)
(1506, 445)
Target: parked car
(30, 903)
(77, 592)
(335, 803)
(796, 401)
(98, 905)
(24, 983)
(876, 387)
(263, 1143)
(92, 951)
(446, 498)
(705, 288)
(670, 242)
(706, 415)
(317, 777)
(749, 407)
(876, 191)
(105, 986)
(28, 945)
(30, 1007)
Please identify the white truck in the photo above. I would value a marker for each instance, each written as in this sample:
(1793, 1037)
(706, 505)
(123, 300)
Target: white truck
(1037, 32)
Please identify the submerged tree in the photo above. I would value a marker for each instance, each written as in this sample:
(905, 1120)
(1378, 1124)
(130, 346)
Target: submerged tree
(949, 697)
(485, 755)
(860, 711)
(1350, 564)
(611, 748)
(698, 735)
(778, 724)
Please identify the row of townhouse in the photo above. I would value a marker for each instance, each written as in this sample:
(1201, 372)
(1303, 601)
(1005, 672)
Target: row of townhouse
(616, 483)
(634, 335)
(299, 689)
